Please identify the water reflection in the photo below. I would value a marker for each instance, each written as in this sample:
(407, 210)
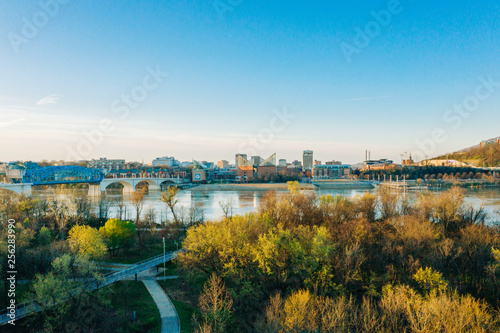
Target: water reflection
(245, 201)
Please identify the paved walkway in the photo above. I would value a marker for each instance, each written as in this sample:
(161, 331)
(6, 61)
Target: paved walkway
(169, 317)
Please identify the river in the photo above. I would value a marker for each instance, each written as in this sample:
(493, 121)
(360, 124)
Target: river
(245, 201)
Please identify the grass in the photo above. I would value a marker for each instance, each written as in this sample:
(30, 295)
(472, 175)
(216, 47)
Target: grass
(170, 269)
(129, 296)
(185, 312)
(182, 303)
(125, 297)
(22, 294)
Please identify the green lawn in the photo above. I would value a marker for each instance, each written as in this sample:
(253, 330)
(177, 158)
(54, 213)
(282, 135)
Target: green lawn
(170, 269)
(184, 309)
(185, 312)
(22, 294)
(130, 296)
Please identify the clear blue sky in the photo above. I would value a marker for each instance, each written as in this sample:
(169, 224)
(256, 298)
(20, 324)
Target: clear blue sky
(231, 68)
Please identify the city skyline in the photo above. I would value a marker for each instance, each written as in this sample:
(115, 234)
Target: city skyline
(199, 81)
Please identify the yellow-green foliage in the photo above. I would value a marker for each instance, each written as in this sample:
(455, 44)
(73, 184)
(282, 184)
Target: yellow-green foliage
(327, 261)
(118, 234)
(429, 280)
(86, 240)
(400, 309)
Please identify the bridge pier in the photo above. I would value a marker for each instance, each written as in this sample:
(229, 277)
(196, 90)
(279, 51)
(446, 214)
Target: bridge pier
(128, 190)
(18, 188)
(94, 190)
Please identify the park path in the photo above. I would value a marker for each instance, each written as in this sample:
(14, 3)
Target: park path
(169, 318)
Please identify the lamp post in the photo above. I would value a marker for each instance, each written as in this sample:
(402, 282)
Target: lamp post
(164, 258)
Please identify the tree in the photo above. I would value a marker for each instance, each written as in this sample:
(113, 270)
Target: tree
(118, 234)
(227, 208)
(60, 209)
(168, 197)
(215, 305)
(87, 241)
(83, 207)
(137, 200)
(103, 206)
(67, 298)
(44, 236)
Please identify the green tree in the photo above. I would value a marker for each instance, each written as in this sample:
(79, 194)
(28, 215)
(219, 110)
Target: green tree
(118, 234)
(67, 298)
(44, 236)
(87, 241)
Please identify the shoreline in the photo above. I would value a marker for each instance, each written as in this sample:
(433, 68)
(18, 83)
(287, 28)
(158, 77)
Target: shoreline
(339, 185)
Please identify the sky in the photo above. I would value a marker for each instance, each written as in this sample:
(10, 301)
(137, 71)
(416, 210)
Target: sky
(205, 80)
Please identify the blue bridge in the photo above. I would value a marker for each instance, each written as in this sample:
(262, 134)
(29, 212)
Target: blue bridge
(24, 179)
(54, 175)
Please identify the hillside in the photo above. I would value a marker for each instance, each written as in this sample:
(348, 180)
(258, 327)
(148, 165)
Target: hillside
(485, 156)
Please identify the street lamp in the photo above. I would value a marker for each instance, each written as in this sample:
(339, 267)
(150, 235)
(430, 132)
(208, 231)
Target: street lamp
(164, 259)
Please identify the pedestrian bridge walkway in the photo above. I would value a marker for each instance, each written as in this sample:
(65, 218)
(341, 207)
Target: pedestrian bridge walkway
(28, 308)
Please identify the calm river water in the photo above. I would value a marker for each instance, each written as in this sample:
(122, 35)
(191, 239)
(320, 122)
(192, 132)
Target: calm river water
(248, 201)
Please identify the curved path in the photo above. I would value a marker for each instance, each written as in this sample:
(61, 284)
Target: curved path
(27, 308)
(169, 318)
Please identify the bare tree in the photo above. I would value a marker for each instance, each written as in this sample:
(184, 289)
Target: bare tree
(82, 206)
(168, 197)
(60, 209)
(104, 205)
(227, 208)
(121, 205)
(137, 200)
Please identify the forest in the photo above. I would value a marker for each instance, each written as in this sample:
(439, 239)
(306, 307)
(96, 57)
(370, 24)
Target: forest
(373, 263)
(487, 155)
(303, 262)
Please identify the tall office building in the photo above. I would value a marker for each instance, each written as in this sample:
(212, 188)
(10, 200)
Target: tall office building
(307, 159)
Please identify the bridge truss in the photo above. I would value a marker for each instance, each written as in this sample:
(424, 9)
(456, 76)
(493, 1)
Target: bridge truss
(69, 174)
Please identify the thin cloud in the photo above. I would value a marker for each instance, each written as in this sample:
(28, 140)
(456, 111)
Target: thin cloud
(10, 123)
(365, 98)
(51, 99)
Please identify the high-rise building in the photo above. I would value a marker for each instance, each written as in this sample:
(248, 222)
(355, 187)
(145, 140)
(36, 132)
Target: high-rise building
(282, 162)
(223, 164)
(307, 159)
(165, 161)
(240, 160)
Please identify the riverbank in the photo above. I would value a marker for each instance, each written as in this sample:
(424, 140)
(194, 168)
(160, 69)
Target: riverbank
(317, 185)
(343, 185)
(249, 187)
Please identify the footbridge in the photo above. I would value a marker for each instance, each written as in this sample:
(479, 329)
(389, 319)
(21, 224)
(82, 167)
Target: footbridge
(28, 308)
